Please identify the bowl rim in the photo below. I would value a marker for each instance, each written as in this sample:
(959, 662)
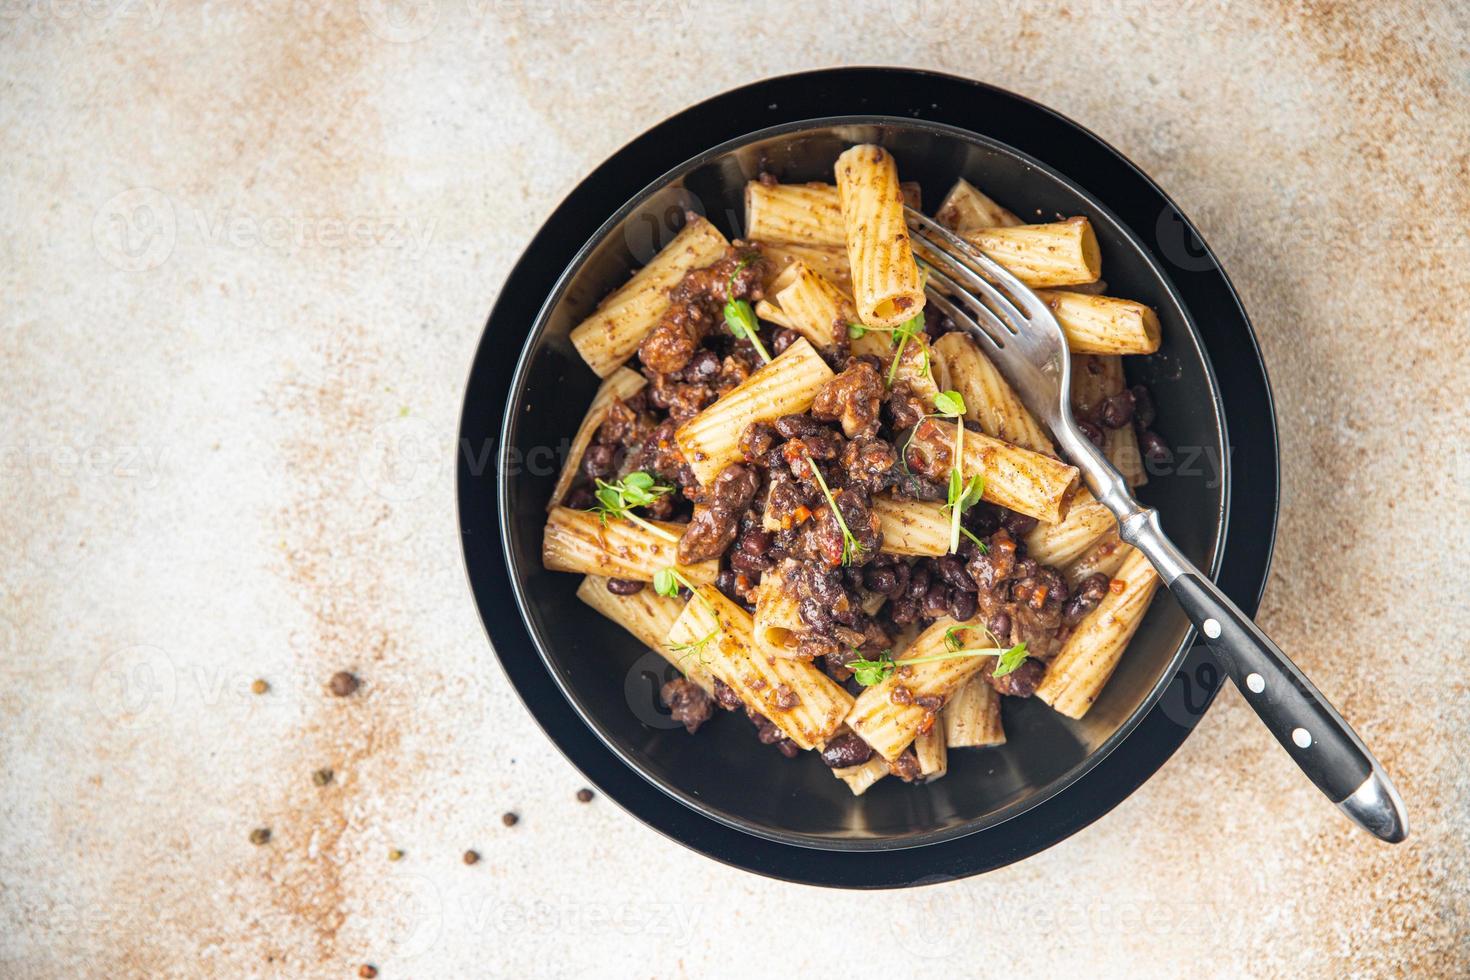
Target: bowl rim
(512, 420)
(918, 94)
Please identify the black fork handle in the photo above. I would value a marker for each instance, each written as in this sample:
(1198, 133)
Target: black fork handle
(1306, 724)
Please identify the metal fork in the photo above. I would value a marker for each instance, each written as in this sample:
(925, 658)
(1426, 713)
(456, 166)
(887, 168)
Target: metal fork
(1021, 336)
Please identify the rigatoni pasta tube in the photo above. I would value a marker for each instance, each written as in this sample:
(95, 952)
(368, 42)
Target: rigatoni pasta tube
(828, 262)
(807, 214)
(648, 616)
(886, 284)
(860, 778)
(813, 307)
(929, 749)
(612, 333)
(1061, 253)
(804, 703)
(959, 365)
(1103, 324)
(1075, 678)
(578, 541)
(711, 440)
(1096, 377)
(778, 624)
(912, 527)
(971, 716)
(966, 209)
(1062, 543)
(622, 383)
(1038, 486)
(1121, 447)
(888, 725)
(1104, 557)
(772, 313)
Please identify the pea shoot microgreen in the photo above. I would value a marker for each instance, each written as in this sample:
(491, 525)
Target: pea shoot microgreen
(740, 316)
(668, 582)
(902, 334)
(962, 494)
(870, 672)
(637, 489)
(851, 547)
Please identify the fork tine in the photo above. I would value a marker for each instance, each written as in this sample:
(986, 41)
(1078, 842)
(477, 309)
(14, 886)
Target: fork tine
(980, 265)
(978, 288)
(987, 332)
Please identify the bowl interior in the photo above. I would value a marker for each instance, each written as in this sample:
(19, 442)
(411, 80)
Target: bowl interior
(612, 680)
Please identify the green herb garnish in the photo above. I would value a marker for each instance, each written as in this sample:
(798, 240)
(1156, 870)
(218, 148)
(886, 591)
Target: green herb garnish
(667, 582)
(870, 672)
(634, 490)
(962, 495)
(910, 328)
(740, 316)
(1010, 660)
(851, 547)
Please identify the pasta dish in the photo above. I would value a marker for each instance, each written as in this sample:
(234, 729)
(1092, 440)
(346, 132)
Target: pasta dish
(822, 503)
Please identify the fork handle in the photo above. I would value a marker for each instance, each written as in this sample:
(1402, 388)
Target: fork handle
(1311, 731)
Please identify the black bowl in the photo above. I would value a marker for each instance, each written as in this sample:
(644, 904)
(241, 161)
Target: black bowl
(611, 681)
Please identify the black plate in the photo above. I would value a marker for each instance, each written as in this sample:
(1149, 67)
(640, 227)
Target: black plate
(706, 771)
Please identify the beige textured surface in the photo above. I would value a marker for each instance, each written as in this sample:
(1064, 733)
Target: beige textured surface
(227, 449)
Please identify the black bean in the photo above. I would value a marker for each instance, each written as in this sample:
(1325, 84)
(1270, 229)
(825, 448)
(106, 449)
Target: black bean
(1153, 447)
(756, 541)
(1117, 410)
(1090, 591)
(903, 610)
(962, 604)
(783, 339)
(1000, 625)
(881, 580)
(918, 581)
(952, 570)
(982, 520)
(1092, 432)
(844, 750)
(903, 572)
(1143, 406)
(727, 583)
(1018, 524)
(581, 498)
(936, 601)
(599, 460)
(751, 565)
(623, 586)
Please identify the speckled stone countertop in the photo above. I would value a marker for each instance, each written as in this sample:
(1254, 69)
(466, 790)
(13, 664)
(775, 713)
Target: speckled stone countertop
(248, 250)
